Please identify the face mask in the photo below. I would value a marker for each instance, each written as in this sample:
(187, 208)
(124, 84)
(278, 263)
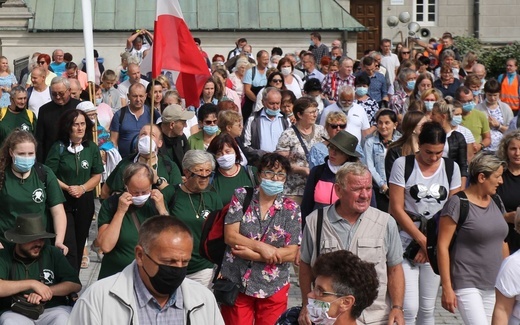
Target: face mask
(429, 105)
(476, 92)
(311, 43)
(210, 129)
(318, 312)
(271, 187)
(227, 161)
(23, 164)
(457, 120)
(271, 112)
(410, 84)
(468, 107)
(167, 279)
(144, 145)
(286, 71)
(361, 91)
(98, 101)
(140, 200)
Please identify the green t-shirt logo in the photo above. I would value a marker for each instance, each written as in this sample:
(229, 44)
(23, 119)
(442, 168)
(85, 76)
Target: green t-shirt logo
(84, 164)
(38, 195)
(48, 277)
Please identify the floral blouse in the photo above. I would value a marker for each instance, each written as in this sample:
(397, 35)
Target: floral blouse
(289, 142)
(281, 227)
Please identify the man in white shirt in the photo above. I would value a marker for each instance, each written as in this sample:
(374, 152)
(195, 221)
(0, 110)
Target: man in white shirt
(134, 76)
(389, 60)
(39, 93)
(357, 119)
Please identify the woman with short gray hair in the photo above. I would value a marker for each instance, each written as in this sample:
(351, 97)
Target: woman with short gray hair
(192, 203)
(469, 268)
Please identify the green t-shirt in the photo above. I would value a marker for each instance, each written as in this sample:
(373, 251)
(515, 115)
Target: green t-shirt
(74, 169)
(12, 121)
(123, 253)
(226, 186)
(184, 209)
(115, 180)
(28, 196)
(477, 123)
(55, 269)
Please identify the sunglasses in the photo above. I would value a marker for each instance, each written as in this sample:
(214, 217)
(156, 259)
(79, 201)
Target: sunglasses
(335, 126)
(405, 52)
(208, 122)
(41, 62)
(277, 81)
(60, 94)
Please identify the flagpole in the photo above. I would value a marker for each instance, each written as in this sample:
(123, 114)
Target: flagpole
(150, 162)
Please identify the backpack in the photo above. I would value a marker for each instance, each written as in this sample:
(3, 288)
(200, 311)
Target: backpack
(432, 228)
(212, 245)
(30, 114)
(409, 164)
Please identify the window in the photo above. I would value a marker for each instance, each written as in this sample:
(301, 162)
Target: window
(425, 12)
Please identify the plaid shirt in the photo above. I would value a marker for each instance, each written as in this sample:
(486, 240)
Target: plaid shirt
(332, 82)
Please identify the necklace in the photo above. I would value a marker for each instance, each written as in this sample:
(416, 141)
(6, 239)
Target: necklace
(201, 204)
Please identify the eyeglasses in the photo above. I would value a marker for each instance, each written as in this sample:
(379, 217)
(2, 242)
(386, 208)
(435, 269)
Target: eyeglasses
(212, 122)
(56, 94)
(269, 174)
(201, 176)
(319, 293)
(277, 81)
(41, 62)
(335, 126)
(405, 52)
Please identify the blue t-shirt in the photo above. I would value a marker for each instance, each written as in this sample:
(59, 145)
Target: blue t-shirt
(130, 127)
(260, 79)
(58, 68)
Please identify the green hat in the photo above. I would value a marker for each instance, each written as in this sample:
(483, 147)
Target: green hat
(28, 227)
(345, 142)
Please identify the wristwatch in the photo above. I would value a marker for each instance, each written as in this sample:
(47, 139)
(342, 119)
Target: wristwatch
(160, 181)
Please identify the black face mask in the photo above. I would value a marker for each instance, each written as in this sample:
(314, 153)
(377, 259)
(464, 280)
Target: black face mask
(167, 279)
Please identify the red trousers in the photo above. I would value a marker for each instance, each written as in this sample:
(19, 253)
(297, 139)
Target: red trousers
(258, 311)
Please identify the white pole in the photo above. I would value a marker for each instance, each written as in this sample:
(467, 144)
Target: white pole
(88, 38)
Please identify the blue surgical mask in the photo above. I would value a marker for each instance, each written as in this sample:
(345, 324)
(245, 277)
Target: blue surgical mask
(429, 105)
(361, 91)
(99, 101)
(210, 129)
(457, 120)
(271, 112)
(271, 187)
(468, 107)
(23, 164)
(476, 92)
(410, 84)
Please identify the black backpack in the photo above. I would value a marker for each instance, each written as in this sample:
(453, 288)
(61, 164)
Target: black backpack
(432, 228)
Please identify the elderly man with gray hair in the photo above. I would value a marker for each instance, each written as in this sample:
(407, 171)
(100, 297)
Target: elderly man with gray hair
(357, 118)
(351, 224)
(49, 114)
(264, 128)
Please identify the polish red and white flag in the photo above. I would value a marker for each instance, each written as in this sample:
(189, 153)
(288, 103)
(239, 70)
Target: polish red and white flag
(174, 51)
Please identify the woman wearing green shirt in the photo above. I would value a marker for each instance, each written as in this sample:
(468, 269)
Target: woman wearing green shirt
(229, 175)
(76, 161)
(192, 203)
(26, 187)
(121, 215)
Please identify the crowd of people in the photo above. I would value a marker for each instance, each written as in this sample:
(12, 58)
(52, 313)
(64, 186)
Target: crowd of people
(324, 163)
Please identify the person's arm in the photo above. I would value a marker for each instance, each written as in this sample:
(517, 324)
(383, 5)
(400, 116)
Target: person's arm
(305, 278)
(114, 137)
(9, 288)
(59, 219)
(249, 93)
(105, 191)
(396, 209)
(503, 308)
(130, 40)
(108, 234)
(396, 291)
(233, 238)
(447, 227)
(64, 288)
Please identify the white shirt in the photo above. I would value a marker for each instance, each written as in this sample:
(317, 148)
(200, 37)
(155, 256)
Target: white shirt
(38, 99)
(391, 63)
(508, 283)
(357, 119)
(123, 87)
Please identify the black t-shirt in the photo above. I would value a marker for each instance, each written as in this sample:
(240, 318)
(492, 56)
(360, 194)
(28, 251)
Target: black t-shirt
(509, 191)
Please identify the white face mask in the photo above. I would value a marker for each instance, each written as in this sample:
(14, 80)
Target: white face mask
(144, 145)
(318, 312)
(286, 71)
(227, 161)
(140, 200)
